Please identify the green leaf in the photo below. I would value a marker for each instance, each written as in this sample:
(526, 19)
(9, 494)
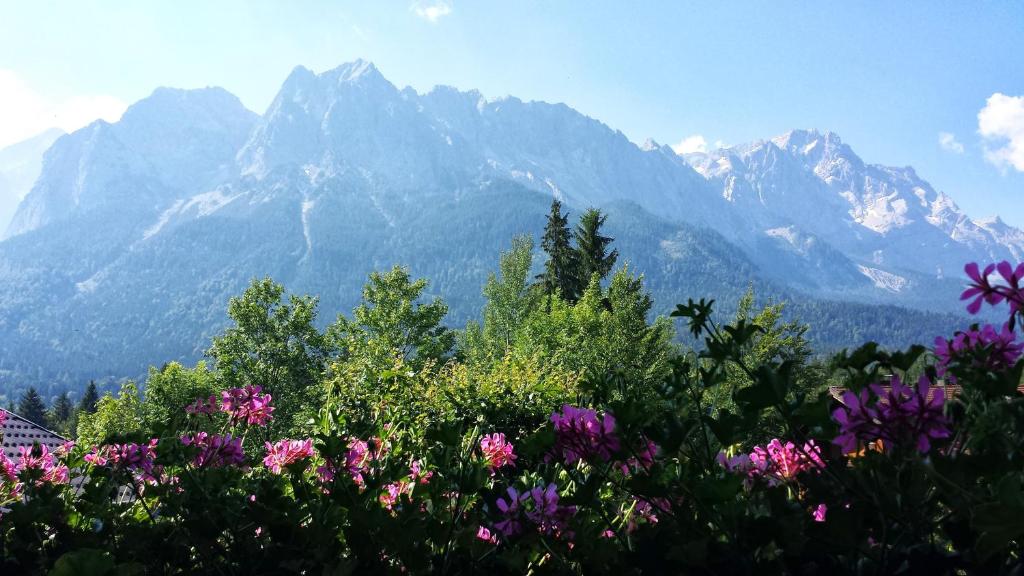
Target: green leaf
(84, 562)
(1000, 522)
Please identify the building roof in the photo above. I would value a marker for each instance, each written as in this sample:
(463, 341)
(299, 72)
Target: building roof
(18, 432)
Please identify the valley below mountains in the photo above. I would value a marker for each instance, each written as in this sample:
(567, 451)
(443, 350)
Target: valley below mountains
(135, 234)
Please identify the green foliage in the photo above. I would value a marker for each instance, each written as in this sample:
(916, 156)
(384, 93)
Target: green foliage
(510, 300)
(32, 408)
(592, 255)
(561, 268)
(173, 387)
(115, 417)
(393, 323)
(395, 478)
(89, 398)
(631, 455)
(62, 415)
(273, 344)
(604, 332)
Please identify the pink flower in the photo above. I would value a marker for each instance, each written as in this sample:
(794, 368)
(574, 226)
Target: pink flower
(417, 475)
(96, 457)
(209, 406)
(983, 348)
(39, 458)
(581, 435)
(643, 460)
(286, 452)
(547, 514)
(357, 460)
(819, 512)
(393, 492)
(3, 416)
(137, 458)
(216, 450)
(646, 510)
(981, 289)
(899, 416)
(248, 405)
(325, 473)
(497, 451)
(776, 462)
(486, 535)
(511, 523)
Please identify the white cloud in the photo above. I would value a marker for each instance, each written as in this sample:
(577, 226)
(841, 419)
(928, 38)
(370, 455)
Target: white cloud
(25, 113)
(432, 11)
(949, 142)
(1001, 124)
(695, 143)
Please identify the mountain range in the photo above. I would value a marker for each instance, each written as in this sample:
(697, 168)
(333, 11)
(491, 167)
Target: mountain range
(135, 234)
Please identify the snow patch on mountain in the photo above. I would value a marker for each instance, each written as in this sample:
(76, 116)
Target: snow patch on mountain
(165, 217)
(885, 280)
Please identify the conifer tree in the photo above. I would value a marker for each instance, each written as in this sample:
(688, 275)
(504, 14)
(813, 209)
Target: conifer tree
(89, 399)
(560, 269)
(592, 248)
(32, 408)
(61, 411)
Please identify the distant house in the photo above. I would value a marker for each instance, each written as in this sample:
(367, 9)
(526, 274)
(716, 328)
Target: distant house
(18, 432)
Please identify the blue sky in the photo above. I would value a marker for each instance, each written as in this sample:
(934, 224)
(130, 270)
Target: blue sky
(890, 77)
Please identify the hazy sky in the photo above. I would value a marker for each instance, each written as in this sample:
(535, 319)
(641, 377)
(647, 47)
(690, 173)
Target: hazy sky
(939, 86)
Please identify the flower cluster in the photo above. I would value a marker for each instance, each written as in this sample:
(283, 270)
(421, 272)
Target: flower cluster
(900, 415)
(247, 405)
(33, 458)
(981, 289)
(538, 507)
(137, 458)
(286, 452)
(215, 450)
(497, 451)
(581, 435)
(643, 458)
(983, 348)
(208, 406)
(641, 509)
(244, 404)
(775, 462)
(392, 492)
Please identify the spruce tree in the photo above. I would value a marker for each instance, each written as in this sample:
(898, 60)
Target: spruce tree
(89, 399)
(32, 408)
(592, 248)
(61, 411)
(560, 269)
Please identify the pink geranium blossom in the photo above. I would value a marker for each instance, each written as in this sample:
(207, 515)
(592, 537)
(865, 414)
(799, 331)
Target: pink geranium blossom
(208, 406)
(776, 462)
(486, 535)
(819, 512)
(40, 458)
(982, 348)
(247, 405)
(511, 522)
(899, 416)
(392, 493)
(215, 450)
(139, 459)
(580, 434)
(286, 452)
(982, 290)
(357, 460)
(497, 451)
(546, 513)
